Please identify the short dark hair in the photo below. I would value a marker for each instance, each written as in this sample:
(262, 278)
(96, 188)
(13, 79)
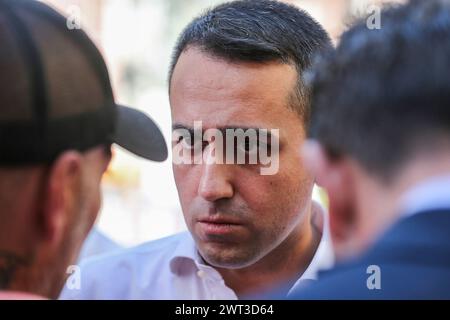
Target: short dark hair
(384, 94)
(257, 31)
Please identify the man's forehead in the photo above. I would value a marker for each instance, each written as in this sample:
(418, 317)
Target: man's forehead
(227, 112)
(221, 96)
(199, 72)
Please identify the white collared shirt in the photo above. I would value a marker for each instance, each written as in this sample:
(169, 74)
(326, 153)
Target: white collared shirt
(431, 194)
(169, 268)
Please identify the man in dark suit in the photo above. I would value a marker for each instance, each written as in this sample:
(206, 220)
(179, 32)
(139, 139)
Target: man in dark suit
(380, 144)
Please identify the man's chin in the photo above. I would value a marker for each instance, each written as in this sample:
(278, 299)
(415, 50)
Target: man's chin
(226, 259)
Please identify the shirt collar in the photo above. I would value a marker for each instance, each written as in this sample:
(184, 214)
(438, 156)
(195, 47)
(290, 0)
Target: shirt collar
(185, 258)
(323, 258)
(431, 194)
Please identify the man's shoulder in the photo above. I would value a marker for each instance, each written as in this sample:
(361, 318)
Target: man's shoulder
(126, 273)
(152, 249)
(16, 295)
(407, 262)
(379, 281)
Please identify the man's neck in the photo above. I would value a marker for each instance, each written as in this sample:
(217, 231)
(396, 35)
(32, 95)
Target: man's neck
(281, 267)
(10, 264)
(21, 273)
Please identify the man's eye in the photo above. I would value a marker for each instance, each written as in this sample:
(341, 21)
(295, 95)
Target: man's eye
(186, 142)
(189, 143)
(250, 145)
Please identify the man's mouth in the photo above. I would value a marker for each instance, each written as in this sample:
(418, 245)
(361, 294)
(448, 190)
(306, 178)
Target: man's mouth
(216, 225)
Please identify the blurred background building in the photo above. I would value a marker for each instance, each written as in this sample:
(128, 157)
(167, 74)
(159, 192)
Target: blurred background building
(136, 38)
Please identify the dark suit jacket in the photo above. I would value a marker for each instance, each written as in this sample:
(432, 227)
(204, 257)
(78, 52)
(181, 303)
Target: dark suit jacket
(414, 261)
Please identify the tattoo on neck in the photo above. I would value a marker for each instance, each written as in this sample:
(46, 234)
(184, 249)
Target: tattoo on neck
(9, 263)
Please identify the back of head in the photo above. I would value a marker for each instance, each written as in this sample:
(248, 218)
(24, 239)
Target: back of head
(257, 31)
(57, 114)
(58, 119)
(381, 119)
(384, 95)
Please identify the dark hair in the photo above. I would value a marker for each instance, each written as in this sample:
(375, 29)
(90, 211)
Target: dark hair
(257, 31)
(384, 94)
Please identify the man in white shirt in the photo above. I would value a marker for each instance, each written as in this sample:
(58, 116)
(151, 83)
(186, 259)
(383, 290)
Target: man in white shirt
(252, 225)
(97, 243)
(169, 268)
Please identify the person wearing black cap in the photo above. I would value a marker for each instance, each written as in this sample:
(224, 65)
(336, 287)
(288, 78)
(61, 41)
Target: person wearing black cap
(58, 119)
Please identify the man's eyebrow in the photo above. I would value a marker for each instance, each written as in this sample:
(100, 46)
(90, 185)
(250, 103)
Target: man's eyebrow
(179, 126)
(258, 130)
(223, 129)
(245, 128)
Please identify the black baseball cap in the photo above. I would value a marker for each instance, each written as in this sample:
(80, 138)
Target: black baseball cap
(55, 92)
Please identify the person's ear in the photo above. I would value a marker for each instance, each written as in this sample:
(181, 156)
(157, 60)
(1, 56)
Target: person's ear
(336, 176)
(61, 195)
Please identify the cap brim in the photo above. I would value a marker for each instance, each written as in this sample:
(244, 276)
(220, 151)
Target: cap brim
(139, 134)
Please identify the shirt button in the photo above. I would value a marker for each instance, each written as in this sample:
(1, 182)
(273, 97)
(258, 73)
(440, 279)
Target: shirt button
(201, 274)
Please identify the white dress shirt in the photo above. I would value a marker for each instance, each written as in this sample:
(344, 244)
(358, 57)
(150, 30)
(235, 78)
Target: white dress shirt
(431, 194)
(97, 243)
(169, 268)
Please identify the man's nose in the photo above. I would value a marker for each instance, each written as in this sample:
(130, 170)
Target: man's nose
(215, 182)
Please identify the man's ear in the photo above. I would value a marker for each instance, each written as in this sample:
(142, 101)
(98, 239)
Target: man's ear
(61, 192)
(336, 176)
